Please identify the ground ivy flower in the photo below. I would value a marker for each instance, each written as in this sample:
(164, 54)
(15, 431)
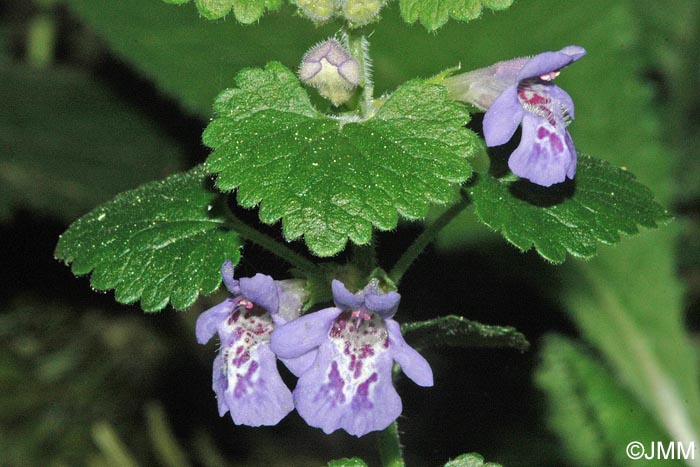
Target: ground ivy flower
(520, 91)
(331, 69)
(354, 346)
(245, 378)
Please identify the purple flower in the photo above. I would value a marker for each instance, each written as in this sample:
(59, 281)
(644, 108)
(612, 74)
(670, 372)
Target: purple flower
(245, 377)
(353, 346)
(520, 91)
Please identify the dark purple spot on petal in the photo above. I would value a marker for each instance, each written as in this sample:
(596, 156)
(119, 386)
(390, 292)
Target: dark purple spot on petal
(241, 358)
(244, 381)
(355, 366)
(234, 316)
(333, 390)
(542, 132)
(339, 325)
(366, 351)
(556, 143)
(360, 400)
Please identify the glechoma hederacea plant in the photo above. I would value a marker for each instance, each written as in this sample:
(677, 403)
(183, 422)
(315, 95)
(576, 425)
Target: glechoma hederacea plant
(334, 173)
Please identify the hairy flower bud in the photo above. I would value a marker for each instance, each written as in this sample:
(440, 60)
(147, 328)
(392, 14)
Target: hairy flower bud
(318, 11)
(214, 9)
(361, 12)
(331, 69)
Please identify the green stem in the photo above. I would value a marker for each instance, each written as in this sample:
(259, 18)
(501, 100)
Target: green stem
(270, 244)
(389, 444)
(365, 257)
(359, 48)
(426, 238)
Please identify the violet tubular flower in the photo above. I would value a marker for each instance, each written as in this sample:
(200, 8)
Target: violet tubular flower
(245, 377)
(354, 346)
(520, 91)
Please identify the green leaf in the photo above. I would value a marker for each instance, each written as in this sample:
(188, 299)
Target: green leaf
(347, 462)
(245, 11)
(601, 203)
(328, 179)
(161, 242)
(470, 460)
(249, 11)
(455, 331)
(69, 143)
(593, 415)
(435, 13)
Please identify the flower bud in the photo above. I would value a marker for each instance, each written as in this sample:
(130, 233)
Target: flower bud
(214, 9)
(331, 69)
(361, 12)
(318, 11)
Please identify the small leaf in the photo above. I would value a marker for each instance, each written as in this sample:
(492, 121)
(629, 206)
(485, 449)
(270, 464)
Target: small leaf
(348, 462)
(158, 243)
(470, 460)
(249, 11)
(214, 9)
(599, 204)
(435, 13)
(340, 178)
(245, 11)
(455, 331)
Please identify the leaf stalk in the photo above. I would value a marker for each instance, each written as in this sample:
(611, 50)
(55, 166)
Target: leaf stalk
(270, 244)
(426, 238)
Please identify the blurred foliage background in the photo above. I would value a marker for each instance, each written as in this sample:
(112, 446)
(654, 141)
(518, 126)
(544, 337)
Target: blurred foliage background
(99, 96)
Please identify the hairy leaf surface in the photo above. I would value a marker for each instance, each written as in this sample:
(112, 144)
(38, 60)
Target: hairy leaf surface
(347, 462)
(163, 242)
(602, 202)
(455, 331)
(245, 11)
(327, 179)
(435, 13)
(470, 460)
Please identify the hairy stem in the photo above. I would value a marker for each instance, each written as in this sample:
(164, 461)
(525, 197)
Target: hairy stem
(365, 257)
(426, 238)
(270, 244)
(359, 49)
(389, 444)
